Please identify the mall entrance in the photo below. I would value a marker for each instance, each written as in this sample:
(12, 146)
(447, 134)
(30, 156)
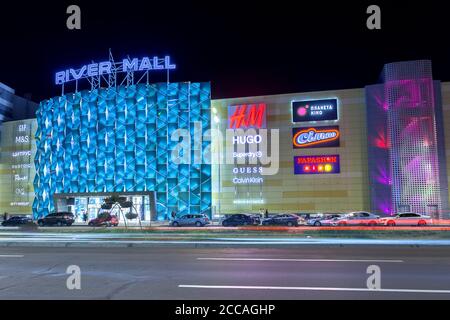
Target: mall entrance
(89, 205)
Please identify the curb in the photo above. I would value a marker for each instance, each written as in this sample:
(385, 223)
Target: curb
(205, 244)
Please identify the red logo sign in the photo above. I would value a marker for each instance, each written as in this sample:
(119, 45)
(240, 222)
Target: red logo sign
(247, 116)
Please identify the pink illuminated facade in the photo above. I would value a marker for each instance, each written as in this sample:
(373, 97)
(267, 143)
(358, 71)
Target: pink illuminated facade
(407, 168)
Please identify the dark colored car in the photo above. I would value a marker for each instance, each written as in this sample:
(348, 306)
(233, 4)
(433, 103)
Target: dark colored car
(239, 220)
(289, 220)
(104, 219)
(16, 221)
(57, 219)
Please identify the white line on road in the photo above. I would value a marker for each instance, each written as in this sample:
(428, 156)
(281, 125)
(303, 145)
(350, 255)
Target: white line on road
(300, 260)
(313, 289)
(11, 256)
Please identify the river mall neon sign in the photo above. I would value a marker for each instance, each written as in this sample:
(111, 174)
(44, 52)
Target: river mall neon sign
(108, 67)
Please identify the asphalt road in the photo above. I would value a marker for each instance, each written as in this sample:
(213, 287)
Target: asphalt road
(305, 272)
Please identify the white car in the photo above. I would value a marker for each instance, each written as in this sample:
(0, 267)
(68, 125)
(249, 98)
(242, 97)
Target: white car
(407, 219)
(358, 218)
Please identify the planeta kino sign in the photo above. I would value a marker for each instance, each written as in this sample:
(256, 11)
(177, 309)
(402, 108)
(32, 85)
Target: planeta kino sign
(109, 67)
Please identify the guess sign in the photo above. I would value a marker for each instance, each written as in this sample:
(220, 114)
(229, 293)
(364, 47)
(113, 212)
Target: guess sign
(315, 137)
(247, 116)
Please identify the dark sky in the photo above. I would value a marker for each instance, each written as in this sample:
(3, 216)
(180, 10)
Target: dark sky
(243, 47)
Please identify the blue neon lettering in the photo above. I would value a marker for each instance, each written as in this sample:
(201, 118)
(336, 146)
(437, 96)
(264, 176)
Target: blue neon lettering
(104, 67)
(311, 136)
(60, 77)
(167, 63)
(156, 64)
(92, 70)
(78, 75)
(130, 66)
(145, 64)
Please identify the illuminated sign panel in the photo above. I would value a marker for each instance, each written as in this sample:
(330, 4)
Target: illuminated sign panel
(247, 116)
(315, 137)
(108, 67)
(314, 110)
(317, 164)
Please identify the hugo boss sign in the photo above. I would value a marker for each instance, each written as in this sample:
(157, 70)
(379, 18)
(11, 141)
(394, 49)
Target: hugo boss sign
(315, 137)
(314, 110)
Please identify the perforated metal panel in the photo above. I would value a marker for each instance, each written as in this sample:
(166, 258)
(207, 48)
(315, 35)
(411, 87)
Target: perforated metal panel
(409, 95)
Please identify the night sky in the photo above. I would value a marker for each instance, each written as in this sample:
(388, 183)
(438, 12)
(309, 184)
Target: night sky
(244, 48)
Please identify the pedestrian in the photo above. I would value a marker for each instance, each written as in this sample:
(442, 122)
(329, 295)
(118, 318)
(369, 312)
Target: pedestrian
(266, 214)
(85, 217)
(5, 216)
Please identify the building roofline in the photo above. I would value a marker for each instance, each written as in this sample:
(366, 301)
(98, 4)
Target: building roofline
(7, 88)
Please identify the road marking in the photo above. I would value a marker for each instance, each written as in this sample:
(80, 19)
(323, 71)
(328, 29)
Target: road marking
(301, 260)
(11, 256)
(313, 289)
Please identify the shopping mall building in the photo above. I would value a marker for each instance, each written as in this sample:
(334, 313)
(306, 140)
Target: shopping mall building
(168, 147)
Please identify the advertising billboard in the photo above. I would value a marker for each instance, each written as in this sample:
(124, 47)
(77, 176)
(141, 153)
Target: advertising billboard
(324, 164)
(315, 137)
(314, 110)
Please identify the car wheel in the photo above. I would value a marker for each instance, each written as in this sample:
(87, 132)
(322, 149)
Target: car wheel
(391, 224)
(41, 223)
(245, 223)
(175, 224)
(198, 224)
(225, 224)
(422, 223)
(290, 224)
(317, 224)
(59, 224)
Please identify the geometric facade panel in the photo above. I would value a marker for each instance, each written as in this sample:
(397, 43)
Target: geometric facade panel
(405, 165)
(121, 140)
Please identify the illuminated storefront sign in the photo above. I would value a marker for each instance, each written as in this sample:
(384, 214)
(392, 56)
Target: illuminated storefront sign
(314, 110)
(248, 180)
(247, 116)
(247, 139)
(317, 164)
(315, 137)
(108, 67)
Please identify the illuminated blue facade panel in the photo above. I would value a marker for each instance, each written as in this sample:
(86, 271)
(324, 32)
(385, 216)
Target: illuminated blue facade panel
(119, 140)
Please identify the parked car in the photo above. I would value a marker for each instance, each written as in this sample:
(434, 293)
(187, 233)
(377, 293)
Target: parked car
(359, 218)
(289, 220)
(406, 219)
(325, 219)
(16, 221)
(304, 217)
(104, 219)
(239, 220)
(198, 220)
(57, 219)
(256, 218)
